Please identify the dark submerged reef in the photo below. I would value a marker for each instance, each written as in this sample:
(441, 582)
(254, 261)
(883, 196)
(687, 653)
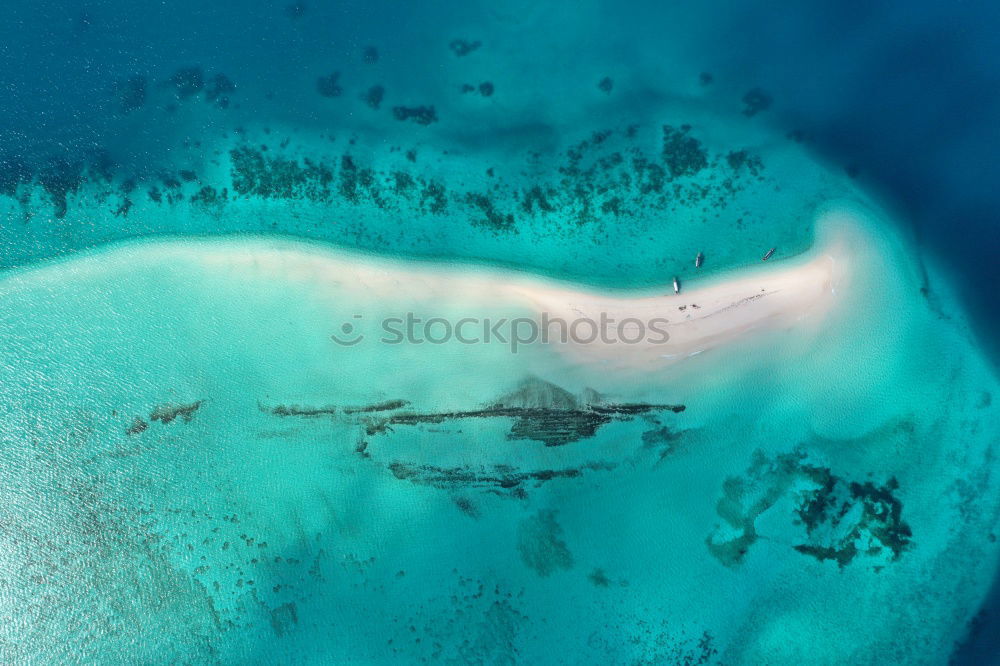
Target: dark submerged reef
(60, 178)
(255, 174)
(496, 477)
(540, 411)
(132, 93)
(168, 412)
(836, 514)
(138, 426)
(385, 406)
(332, 410)
(296, 410)
(219, 88)
(187, 82)
(610, 174)
(373, 98)
(463, 47)
(683, 154)
(329, 85)
(421, 115)
(595, 180)
(756, 101)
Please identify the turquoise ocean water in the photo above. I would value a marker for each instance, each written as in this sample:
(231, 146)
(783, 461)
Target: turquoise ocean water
(194, 472)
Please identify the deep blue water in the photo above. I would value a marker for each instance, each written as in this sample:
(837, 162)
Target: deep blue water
(905, 95)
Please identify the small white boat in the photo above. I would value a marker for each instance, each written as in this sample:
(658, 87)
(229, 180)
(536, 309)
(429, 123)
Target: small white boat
(677, 286)
(769, 253)
(699, 260)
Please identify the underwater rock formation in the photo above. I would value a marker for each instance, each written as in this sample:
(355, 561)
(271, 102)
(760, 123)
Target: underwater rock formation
(373, 98)
(296, 410)
(841, 519)
(132, 93)
(60, 178)
(682, 153)
(421, 115)
(463, 47)
(168, 412)
(331, 410)
(138, 426)
(499, 477)
(257, 174)
(541, 412)
(329, 86)
(218, 90)
(755, 101)
(385, 406)
(602, 179)
(664, 439)
(187, 82)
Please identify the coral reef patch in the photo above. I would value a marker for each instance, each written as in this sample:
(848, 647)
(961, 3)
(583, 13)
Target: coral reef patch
(833, 518)
(166, 413)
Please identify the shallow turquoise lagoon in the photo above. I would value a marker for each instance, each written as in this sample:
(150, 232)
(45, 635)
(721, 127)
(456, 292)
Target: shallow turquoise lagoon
(193, 471)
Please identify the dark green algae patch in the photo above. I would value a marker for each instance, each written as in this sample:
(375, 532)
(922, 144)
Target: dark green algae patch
(608, 173)
(834, 513)
(540, 411)
(165, 414)
(495, 478)
(550, 426)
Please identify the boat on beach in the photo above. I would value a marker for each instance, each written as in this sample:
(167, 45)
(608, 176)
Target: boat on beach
(677, 285)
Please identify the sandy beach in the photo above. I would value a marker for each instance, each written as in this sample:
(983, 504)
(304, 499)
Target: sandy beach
(797, 293)
(627, 330)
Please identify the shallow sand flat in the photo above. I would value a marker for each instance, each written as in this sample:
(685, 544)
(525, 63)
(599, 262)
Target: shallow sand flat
(603, 532)
(631, 331)
(781, 296)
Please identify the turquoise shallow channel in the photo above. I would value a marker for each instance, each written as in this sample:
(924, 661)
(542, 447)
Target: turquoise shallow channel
(193, 470)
